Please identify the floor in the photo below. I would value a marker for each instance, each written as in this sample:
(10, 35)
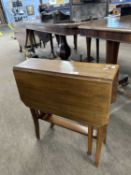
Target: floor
(59, 151)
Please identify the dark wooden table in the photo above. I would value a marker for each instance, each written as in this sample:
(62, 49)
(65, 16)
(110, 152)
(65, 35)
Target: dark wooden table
(113, 29)
(24, 32)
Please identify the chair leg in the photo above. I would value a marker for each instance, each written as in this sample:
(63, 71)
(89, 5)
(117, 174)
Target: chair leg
(90, 138)
(36, 122)
(99, 145)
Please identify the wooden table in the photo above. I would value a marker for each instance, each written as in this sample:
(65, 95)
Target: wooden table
(113, 29)
(24, 32)
(81, 93)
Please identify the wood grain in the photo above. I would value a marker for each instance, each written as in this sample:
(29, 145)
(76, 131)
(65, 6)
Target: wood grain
(81, 92)
(46, 91)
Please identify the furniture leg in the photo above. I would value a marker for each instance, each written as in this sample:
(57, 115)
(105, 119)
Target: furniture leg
(40, 43)
(112, 48)
(63, 50)
(97, 50)
(99, 145)
(57, 39)
(31, 38)
(105, 134)
(88, 44)
(27, 38)
(90, 138)
(44, 44)
(52, 46)
(75, 42)
(36, 122)
(34, 40)
(20, 48)
(51, 125)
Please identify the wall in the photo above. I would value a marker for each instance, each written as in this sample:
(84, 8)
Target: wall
(8, 12)
(85, 11)
(10, 18)
(9, 15)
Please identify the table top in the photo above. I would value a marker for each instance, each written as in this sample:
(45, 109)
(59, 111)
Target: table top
(70, 24)
(69, 28)
(98, 72)
(113, 24)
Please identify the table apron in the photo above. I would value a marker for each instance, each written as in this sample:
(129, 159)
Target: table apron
(107, 35)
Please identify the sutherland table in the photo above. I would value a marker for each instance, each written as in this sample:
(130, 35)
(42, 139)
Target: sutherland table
(70, 94)
(112, 29)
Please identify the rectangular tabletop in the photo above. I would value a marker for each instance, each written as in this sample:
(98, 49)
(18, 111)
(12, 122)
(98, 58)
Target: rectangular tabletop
(110, 28)
(56, 28)
(105, 72)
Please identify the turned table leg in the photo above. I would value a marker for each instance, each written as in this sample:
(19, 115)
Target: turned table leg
(63, 50)
(36, 122)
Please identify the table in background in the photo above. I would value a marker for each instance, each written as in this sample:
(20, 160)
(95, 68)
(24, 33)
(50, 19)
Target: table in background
(113, 29)
(24, 32)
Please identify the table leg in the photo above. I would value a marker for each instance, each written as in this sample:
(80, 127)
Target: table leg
(105, 134)
(31, 40)
(30, 37)
(52, 46)
(88, 44)
(100, 137)
(52, 125)
(97, 50)
(36, 122)
(63, 50)
(57, 39)
(112, 48)
(75, 42)
(20, 48)
(90, 139)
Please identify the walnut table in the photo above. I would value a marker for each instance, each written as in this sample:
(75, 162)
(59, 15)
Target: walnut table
(71, 94)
